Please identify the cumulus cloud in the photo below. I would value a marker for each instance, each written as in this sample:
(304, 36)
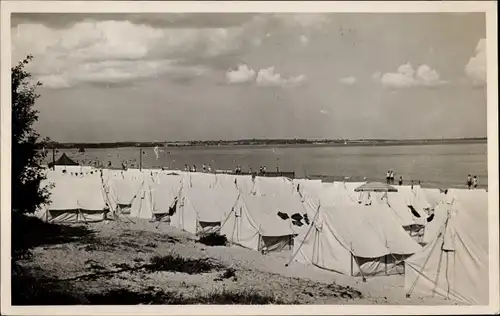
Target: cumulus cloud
(68, 47)
(240, 75)
(266, 77)
(406, 76)
(269, 78)
(476, 67)
(348, 80)
(64, 56)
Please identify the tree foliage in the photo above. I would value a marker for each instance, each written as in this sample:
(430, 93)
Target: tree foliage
(27, 172)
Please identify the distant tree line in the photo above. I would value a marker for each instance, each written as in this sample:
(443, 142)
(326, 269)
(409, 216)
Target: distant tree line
(249, 142)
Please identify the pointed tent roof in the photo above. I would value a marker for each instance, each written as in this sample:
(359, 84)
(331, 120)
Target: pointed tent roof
(376, 187)
(64, 160)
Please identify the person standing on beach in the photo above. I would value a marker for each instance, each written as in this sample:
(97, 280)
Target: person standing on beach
(194, 168)
(400, 180)
(209, 168)
(204, 168)
(388, 177)
(392, 176)
(469, 181)
(475, 182)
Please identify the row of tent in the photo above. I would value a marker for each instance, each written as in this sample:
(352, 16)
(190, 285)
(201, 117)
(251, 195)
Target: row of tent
(423, 233)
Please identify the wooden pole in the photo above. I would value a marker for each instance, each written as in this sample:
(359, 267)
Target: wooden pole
(53, 157)
(140, 160)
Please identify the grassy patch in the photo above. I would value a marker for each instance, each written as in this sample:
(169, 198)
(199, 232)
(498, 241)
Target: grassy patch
(150, 296)
(344, 291)
(177, 263)
(244, 297)
(213, 239)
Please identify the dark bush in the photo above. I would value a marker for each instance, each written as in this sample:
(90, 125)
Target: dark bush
(213, 239)
(179, 264)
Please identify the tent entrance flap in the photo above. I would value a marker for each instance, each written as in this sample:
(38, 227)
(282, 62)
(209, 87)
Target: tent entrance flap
(125, 209)
(275, 243)
(205, 228)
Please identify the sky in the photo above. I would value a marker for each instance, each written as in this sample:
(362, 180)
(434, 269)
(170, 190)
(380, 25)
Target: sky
(211, 76)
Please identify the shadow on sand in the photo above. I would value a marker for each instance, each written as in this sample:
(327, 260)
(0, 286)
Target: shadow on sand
(30, 232)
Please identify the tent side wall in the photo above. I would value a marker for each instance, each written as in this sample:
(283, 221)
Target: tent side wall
(453, 265)
(239, 228)
(185, 216)
(75, 216)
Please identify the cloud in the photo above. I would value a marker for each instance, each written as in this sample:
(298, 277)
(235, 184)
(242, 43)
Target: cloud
(240, 75)
(322, 111)
(63, 56)
(476, 67)
(348, 80)
(407, 77)
(268, 78)
(67, 47)
(118, 71)
(161, 20)
(264, 77)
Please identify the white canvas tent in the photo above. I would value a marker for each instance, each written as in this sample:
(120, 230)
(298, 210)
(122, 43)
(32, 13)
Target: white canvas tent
(163, 199)
(454, 264)
(200, 210)
(353, 239)
(334, 242)
(253, 223)
(245, 184)
(128, 197)
(75, 199)
(274, 186)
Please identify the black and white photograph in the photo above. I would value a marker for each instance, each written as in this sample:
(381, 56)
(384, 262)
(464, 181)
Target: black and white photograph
(248, 157)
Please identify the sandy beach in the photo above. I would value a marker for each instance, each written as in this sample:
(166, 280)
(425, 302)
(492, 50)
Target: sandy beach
(111, 258)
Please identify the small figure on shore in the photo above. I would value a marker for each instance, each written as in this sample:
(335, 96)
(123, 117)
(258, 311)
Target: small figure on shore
(388, 176)
(392, 176)
(400, 180)
(469, 181)
(194, 168)
(278, 169)
(260, 170)
(412, 184)
(250, 170)
(264, 169)
(186, 168)
(475, 182)
(209, 168)
(204, 168)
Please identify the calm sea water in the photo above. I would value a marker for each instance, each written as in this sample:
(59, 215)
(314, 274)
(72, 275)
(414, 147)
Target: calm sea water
(434, 165)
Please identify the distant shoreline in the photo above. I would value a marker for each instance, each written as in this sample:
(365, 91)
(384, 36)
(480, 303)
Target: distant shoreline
(268, 143)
